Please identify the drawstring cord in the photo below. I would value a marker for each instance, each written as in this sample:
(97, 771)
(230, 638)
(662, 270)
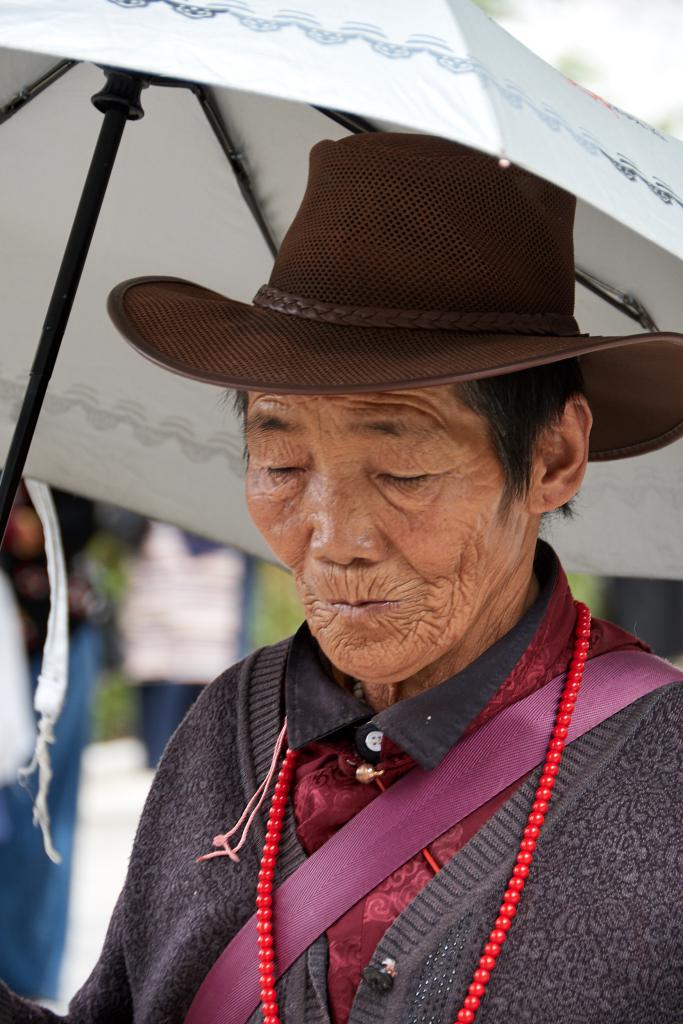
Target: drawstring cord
(250, 811)
(54, 671)
(254, 805)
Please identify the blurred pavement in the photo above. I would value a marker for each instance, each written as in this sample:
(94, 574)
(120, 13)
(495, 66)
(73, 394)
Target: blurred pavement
(114, 785)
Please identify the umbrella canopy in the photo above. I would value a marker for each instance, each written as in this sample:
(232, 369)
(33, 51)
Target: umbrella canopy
(205, 186)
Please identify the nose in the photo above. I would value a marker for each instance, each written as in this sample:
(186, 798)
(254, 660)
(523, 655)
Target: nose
(342, 527)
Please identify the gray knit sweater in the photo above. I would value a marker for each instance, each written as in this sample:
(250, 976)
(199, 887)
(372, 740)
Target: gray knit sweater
(599, 935)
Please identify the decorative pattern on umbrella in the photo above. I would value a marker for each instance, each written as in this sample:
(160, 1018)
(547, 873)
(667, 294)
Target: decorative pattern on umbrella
(444, 57)
(104, 417)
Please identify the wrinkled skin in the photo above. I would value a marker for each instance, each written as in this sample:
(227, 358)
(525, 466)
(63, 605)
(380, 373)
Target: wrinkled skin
(391, 511)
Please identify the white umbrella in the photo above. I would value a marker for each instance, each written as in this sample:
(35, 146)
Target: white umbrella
(117, 428)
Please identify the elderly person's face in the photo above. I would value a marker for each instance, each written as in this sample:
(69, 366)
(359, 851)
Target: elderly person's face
(391, 511)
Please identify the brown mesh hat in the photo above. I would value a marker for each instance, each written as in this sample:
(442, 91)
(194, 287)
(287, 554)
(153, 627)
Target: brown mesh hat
(413, 261)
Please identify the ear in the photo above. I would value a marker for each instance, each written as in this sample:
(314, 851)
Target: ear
(559, 461)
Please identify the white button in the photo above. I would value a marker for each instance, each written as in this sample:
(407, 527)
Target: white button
(373, 741)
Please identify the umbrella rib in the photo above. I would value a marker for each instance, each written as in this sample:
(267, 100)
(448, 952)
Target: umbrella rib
(29, 92)
(236, 161)
(352, 122)
(210, 109)
(119, 101)
(623, 301)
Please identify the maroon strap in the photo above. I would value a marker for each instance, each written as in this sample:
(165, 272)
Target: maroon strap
(412, 814)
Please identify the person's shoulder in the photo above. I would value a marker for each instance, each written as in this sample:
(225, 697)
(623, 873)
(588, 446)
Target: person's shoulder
(664, 704)
(636, 759)
(218, 709)
(657, 737)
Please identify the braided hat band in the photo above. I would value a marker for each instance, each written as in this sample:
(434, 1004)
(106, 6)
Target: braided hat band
(268, 297)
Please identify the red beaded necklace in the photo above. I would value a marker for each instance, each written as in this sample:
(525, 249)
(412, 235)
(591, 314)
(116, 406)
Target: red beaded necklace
(520, 872)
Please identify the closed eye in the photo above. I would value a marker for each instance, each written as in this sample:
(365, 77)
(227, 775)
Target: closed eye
(406, 481)
(281, 471)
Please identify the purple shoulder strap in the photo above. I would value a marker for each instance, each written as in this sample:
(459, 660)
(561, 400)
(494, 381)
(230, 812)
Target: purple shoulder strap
(410, 815)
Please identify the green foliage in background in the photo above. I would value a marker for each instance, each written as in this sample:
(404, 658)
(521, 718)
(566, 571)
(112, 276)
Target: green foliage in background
(276, 611)
(108, 563)
(578, 68)
(589, 589)
(494, 8)
(115, 708)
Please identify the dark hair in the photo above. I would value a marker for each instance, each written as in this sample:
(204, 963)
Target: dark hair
(518, 407)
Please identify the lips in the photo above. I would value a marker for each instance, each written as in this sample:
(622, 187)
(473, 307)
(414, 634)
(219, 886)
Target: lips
(361, 609)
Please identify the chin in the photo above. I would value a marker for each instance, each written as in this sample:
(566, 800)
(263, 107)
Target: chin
(378, 665)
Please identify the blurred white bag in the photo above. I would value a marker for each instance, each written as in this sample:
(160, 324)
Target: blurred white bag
(17, 724)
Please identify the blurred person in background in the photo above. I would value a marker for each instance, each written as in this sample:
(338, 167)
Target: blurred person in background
(34, 892)
(182, 621)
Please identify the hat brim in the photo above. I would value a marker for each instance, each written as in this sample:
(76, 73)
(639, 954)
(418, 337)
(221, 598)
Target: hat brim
(633, 382)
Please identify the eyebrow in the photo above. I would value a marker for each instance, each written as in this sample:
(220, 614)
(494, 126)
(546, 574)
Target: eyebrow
(390, 427)
(265, 422)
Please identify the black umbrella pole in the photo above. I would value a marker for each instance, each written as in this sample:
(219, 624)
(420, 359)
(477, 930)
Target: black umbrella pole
(119, 101)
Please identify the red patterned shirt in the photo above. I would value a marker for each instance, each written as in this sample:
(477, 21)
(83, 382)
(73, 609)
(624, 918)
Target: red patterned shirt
(327, 794)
